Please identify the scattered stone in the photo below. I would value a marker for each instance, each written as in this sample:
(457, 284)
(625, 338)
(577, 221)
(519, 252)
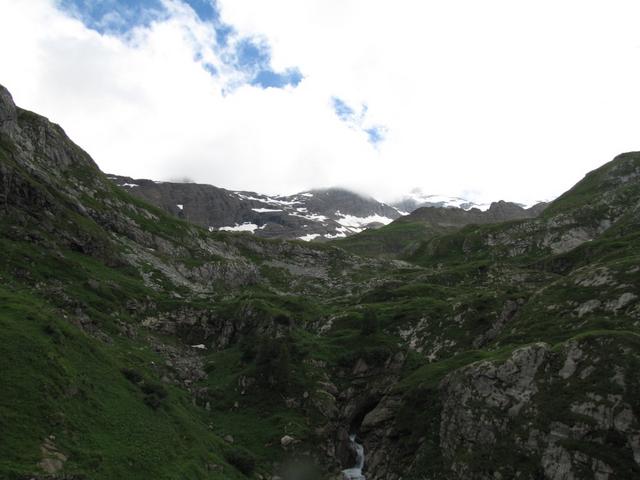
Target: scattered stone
(52, 459)
(287, 440)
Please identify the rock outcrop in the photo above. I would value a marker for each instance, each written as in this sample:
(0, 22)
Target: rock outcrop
(545, 413)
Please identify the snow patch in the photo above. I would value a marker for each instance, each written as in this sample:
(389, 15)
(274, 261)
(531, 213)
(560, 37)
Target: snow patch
(274, 201)
(129, 185)
(248, 197)
(268, 200)
(180, 206)
(312, 216)
(309, 237)
(444, 201)
(401, 212)
(341, 232)
(358, 222)
(245, 227)
(266, 210)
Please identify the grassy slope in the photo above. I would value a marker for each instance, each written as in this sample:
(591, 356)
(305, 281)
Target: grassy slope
(391, 240)
(57, 381)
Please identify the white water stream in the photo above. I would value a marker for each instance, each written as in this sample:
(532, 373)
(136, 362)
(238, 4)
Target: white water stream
(355, 473)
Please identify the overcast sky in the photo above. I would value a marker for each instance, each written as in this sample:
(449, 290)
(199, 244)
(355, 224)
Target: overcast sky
(488, 99)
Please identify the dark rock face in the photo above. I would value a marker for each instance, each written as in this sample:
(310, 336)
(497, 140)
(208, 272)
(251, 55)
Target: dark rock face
(42, 155)
(7, 108)
(314, 215)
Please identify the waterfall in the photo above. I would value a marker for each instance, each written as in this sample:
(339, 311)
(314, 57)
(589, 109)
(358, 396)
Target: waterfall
(355, 473)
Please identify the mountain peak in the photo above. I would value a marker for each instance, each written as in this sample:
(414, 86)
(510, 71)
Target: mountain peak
(416, 198)
(8, 112)
(321, 214)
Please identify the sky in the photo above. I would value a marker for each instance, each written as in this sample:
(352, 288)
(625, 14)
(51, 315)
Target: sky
(499, 99)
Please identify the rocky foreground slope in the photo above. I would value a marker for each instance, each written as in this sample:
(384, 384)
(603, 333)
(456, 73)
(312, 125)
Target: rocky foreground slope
(138, 345)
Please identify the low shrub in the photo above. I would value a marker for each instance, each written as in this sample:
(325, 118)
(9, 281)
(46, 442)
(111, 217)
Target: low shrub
(243, 460)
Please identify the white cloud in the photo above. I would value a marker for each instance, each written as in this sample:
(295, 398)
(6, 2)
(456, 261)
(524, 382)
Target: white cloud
(503, 99)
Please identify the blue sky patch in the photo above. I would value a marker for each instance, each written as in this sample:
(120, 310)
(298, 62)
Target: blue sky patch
(114, 16)
(223, 32)
(207, 10)
(254, 58)
(356, 120)
(210, 68)
(120, 16)
(375, 134)
(269, 78)
(250, 56)
(344, 111)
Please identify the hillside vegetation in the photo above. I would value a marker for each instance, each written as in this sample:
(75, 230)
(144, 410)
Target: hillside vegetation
(137, 345)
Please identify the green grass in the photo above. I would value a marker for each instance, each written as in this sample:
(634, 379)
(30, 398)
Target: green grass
(59, 381)
(595, 183)
(393, 240)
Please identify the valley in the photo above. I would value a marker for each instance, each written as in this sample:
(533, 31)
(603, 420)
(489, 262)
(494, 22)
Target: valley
(141, 339)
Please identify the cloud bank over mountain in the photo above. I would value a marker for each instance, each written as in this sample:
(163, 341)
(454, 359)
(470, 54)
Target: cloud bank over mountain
(380, 97)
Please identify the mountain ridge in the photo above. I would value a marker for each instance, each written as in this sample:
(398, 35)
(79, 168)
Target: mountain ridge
(404, 234)
(317, 214)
